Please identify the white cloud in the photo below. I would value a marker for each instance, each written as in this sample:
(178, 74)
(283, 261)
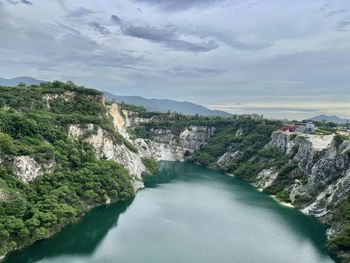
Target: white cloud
(218, 52)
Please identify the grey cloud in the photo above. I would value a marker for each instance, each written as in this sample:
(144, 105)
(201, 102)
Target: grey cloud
(167, 36)
(179, 5)
(80, 11)
(182, 71)
(99, 28)
(77, 12)
(343, 26)
(324, 7)
(26, 2)
(336, 12)
(304, 57)
(68, 49)
(235, 43)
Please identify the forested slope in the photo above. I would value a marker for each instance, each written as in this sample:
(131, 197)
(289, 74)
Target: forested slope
(67, 178)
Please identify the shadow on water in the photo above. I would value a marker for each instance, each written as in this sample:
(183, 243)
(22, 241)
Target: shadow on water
(80, 238)
(83, 237)
(306, 227)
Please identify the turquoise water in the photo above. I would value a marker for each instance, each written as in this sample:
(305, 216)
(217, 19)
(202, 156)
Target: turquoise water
(187, 213)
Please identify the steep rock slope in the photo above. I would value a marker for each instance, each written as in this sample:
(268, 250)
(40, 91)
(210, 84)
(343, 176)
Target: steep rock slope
(164, 145)
(312, 172)
(48, 178)
(64, 150)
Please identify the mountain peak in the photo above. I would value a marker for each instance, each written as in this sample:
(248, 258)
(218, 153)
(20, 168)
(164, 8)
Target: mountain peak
(164, 105)
(329, 118)
(15, 81)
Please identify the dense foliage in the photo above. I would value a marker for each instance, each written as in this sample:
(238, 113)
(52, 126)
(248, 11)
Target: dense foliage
(341, 242)
(34, 122)
(151, 165)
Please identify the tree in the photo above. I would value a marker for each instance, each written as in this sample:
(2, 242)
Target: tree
(39, 233)
(32, 223)
(15, 207)
(6, 144)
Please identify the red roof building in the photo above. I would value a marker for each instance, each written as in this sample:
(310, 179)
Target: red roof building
(289, 128)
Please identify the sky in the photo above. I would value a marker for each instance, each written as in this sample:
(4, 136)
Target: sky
(282, 58)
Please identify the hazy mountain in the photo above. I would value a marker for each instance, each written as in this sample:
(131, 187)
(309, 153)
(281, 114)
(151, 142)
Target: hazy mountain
(15, 81)
(328, 118)
(164, 105)
(161, 105)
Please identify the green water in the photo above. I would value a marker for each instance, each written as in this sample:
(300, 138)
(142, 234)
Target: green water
(187, 214)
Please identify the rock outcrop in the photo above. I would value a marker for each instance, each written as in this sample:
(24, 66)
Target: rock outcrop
(164, 144)
(265, 178)
(191, 138)
(105, 147)
(322, 173)
(27, 168)
(3, 195)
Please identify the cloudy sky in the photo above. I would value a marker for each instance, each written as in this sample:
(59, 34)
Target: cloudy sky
(290, 58)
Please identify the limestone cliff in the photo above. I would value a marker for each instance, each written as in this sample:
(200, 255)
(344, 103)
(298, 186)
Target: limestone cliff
(313, 173)
(27, 168)
(320, 181)
(163, 145)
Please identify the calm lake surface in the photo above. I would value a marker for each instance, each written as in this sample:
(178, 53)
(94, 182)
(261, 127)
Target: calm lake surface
(187, 214)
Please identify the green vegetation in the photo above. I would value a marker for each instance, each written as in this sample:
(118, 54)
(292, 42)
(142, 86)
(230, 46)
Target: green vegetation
(151, 165)
(284, 179)
(338, 139)
(34, 122)
(341, 241)
(325, 131)
(244, 135)
(246, 138)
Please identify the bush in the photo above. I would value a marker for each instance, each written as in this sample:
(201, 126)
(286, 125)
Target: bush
(340, 241)
(6, 144)
(151, 165)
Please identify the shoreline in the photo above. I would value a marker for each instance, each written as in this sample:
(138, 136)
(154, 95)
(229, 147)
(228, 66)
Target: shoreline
(231, 175)
(274, 197)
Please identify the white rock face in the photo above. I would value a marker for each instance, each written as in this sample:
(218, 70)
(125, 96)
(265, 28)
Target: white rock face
(78, 131)
(192, 138)
(168, 147)
(118, 121)
(104, 146)
(323, 174)
(2, 195)
(226, 157)
(164, 145)
(27, 169)
(195, 137)
(265, 178)
(332, 196)
(132, 118)
(66, 96)
(160, 151)
(285, 141)
(320, 142)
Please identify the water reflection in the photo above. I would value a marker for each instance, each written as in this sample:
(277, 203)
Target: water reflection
(191, 214)
(81, 238)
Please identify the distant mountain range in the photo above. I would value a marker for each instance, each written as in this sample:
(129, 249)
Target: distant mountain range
(160, 105)
(164, 105)
(15, 81)
(327, 118)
